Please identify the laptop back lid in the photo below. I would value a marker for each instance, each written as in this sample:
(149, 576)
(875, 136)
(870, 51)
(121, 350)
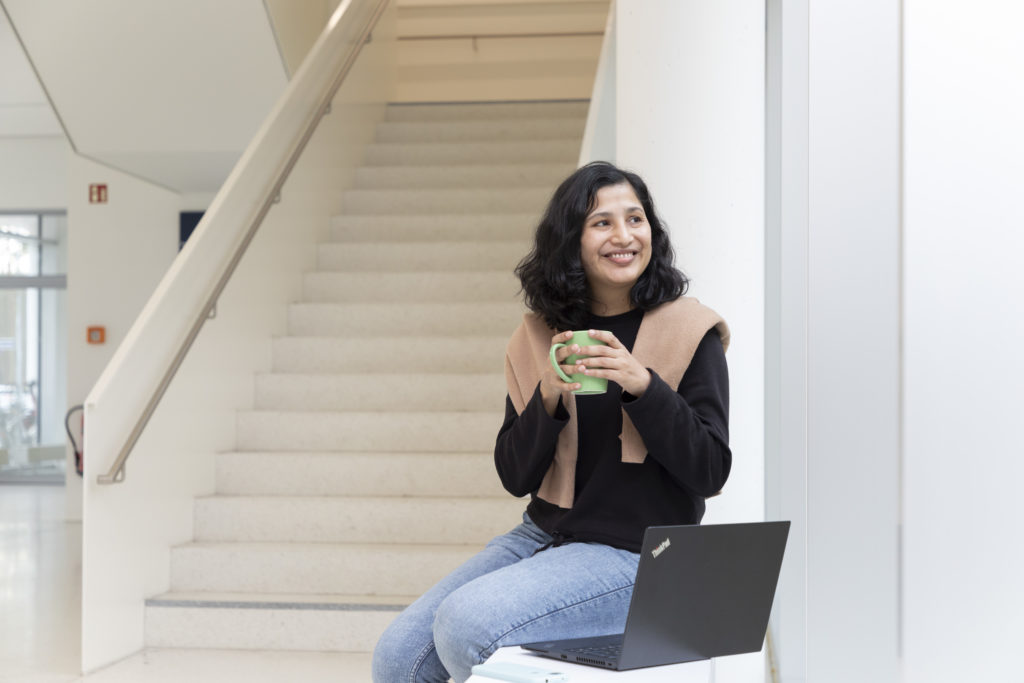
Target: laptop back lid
(702, 591)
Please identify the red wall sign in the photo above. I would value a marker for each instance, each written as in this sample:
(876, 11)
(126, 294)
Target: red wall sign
(98, 193)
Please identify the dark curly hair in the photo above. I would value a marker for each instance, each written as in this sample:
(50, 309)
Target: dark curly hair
(554, 284)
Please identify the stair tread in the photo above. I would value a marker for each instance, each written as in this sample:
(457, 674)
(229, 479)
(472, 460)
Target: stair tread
(391, 500)
(486, 123)
(420, 153)
(331, 546)
(468, 166)
(397, 305)
(284, 599)
(418, 272)
(468, 217)
(430, 243)
(432, 414)
(456, 145)
(348, 454)
(378, 337)
(384, 376)
(484, 111)
(533, 129)
(454, 191)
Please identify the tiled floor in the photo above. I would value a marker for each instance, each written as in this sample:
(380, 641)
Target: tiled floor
(40, 606)
(40, 585)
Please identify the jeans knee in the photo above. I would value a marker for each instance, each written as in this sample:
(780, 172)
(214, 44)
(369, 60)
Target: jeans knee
(388, 658)
(402, 655)
(460, 636)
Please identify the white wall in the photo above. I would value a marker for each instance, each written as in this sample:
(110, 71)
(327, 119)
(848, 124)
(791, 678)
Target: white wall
(33, 174)
(964, 370)
(117, 253)
(599, 133)
(690, 119)
(297, 25)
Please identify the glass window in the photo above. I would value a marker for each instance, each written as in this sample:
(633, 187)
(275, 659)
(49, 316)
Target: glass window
(33, 347)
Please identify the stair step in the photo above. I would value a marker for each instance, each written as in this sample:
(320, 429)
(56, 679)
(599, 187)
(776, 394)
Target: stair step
(205, 665)
(411, 432)
(430, 286)
(421, 256)
(503, 176)
(520, 151)
(501, 130)
(315, 320)
(441, 354)
(434, 227)
(411, 87)
(499, 81)
(316, 568)
(357, 474)
(470, 111)
(384, 392)
(337, 519)
(239, 621)
(446, 200)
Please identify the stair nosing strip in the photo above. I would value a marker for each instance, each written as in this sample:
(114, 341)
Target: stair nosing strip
(242, 604)
(562, 100)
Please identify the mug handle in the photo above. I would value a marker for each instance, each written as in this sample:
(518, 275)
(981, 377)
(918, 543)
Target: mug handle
(555, 365)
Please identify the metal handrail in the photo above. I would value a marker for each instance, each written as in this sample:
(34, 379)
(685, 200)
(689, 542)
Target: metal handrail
(116, 472)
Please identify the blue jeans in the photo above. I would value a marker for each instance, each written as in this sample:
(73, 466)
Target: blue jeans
(506, 595)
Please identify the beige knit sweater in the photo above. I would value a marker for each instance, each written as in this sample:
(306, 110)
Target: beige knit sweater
(667, 339)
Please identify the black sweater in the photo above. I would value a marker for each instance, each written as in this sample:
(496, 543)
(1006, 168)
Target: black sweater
(685, 431)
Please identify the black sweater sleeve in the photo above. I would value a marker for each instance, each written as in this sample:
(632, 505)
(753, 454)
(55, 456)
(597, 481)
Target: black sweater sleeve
(526, 444)
(687, 431)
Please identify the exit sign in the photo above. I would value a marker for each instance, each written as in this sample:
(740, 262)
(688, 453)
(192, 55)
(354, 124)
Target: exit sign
(98, 193)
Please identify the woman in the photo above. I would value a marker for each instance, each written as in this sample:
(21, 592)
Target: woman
(599, 469)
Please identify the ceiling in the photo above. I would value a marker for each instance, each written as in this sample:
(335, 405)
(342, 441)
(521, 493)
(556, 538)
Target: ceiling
(170, 92)
(24, 111)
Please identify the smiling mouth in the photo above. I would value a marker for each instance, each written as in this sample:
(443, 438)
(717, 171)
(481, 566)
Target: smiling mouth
(621, 257)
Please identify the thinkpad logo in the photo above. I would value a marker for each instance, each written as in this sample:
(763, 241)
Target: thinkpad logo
(661, 548)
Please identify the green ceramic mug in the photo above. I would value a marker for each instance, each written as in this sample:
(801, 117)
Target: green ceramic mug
(588, 384)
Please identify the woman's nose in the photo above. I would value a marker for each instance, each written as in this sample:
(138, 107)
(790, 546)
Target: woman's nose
(621, 233)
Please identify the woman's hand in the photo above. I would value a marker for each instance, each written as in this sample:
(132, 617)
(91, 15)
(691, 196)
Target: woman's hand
(613, 362)
(553, 387)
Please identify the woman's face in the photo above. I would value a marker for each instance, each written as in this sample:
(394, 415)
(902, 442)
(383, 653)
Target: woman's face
(615, 245)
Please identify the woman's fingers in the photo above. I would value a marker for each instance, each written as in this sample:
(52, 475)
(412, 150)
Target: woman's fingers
(596, 351)
(561, 337)
(565, 351)
(556, 382)
(607, 337)
(551, 377)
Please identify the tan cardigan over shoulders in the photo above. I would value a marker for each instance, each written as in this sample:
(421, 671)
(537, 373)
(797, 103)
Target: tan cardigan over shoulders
(667, 339)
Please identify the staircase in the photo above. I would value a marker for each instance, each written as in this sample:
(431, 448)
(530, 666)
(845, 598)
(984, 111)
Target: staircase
(364, 473)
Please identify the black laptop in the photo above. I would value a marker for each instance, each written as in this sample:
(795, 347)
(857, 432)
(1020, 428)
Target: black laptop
(701, 591)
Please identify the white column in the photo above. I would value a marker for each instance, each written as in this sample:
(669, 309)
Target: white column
(834, 275)
(964, 372)
(853, 341)
(690, 120)
(786, 231)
